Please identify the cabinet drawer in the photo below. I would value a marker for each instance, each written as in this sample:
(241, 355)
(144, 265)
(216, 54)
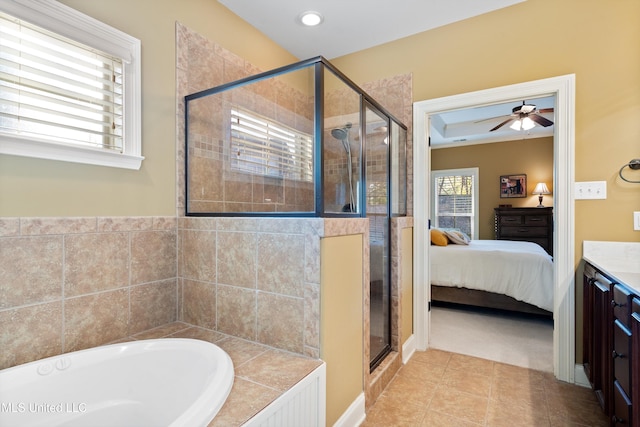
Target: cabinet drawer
(621, 304)
(523, 231)
(536, 220)
(621, 355)
(511, 219)
(621, 407)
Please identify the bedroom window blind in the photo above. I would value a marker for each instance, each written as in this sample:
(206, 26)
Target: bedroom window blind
(455, 198)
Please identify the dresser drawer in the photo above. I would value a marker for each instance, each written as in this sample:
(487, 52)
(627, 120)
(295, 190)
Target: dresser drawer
(523, 231)
(511, 219)
(537, 220)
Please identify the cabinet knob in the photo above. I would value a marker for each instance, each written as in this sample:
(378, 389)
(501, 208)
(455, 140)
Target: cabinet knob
(615, 420)
(614, 304)
(615, 354)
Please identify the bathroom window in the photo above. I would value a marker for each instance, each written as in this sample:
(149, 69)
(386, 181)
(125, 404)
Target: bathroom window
(69, 86)
(261, 146)
(455, 199)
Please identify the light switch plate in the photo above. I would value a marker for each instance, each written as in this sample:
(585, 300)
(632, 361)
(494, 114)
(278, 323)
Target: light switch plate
(591, 190)
(636, 221)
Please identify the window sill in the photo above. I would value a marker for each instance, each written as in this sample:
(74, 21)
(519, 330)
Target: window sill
(17, 146)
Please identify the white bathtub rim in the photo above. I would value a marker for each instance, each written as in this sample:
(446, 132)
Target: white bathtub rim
(201, 410)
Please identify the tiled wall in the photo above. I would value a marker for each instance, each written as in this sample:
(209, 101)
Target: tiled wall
(254, 278)
(72, 283)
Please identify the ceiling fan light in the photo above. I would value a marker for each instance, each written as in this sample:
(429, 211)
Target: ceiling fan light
(516, 125)
(527, 123)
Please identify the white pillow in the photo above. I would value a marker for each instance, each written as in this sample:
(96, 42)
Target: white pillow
(457, 237)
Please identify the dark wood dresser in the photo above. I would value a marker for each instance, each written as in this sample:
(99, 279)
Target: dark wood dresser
(526, 224)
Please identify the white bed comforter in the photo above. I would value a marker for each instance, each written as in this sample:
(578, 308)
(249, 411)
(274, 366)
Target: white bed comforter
(521, 270)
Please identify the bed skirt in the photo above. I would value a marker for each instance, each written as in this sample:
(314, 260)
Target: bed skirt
(483, 299)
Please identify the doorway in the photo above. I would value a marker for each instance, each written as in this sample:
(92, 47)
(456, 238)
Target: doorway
(563, 88)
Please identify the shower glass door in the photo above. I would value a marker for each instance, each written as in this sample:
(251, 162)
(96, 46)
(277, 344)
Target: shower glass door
(377, 210)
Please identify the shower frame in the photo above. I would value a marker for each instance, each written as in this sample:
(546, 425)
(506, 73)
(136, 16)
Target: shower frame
(397, 169)
(320, 64)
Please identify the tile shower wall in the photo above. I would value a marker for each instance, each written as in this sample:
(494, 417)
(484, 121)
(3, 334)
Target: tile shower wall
(256, 279)
(68, 284)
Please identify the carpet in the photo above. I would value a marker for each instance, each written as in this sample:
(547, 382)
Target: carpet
(507, 337)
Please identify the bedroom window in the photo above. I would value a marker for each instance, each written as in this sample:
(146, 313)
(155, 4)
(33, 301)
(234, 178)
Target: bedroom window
(69, 86)
(455, 199)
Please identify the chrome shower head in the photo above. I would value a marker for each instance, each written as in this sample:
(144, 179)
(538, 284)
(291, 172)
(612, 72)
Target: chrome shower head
(339, 133)
(342, 133)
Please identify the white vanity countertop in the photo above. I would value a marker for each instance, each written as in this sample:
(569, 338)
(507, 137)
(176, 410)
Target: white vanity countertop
(620, 260)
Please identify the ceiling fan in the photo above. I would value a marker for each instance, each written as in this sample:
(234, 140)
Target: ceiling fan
(525, 117)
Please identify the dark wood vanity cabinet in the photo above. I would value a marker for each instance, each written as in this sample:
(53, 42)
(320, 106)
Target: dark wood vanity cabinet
(611, 342)
(526, 224)
(635, 350)
(597, 335)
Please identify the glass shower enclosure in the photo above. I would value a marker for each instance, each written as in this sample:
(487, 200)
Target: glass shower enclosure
(302, 140)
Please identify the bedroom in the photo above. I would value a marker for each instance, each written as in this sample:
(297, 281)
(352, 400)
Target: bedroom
(527, 154)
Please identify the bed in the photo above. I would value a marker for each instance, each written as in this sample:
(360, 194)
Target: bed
(504, 274)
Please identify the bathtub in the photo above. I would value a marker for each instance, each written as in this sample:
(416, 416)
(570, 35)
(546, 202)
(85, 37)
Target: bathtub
(161, 382)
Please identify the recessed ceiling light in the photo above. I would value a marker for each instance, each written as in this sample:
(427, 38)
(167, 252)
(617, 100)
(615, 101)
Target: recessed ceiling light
(310, 18)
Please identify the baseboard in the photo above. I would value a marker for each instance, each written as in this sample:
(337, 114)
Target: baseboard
(580, 378)
(354, 415)
(408, 348)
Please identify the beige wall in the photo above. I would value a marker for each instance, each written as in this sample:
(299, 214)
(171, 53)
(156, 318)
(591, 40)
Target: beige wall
(341, 304)
(406, 284)
(532, 157)
(31, 187)
(598, 41)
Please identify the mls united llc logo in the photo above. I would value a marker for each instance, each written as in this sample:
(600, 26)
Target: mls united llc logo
(32, 407)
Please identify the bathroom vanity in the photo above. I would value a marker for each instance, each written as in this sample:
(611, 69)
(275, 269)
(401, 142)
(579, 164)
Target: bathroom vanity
(611, 327)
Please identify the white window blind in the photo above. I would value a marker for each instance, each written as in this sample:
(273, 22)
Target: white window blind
(455, 200)
(52, 88)
(264, 147)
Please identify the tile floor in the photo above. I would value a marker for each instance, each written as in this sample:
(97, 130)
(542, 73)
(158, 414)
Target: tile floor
(438, 388)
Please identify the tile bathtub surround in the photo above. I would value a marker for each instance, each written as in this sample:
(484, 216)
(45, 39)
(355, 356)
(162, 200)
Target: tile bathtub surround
(262, 374)
(257, 279)
(73, 283)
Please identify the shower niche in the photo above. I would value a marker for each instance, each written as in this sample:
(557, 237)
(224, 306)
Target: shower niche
(301, 141)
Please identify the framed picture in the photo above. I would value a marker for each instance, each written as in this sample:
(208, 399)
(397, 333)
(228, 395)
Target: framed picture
(513, 186)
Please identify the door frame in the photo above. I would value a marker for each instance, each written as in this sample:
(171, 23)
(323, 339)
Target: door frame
(563, 87)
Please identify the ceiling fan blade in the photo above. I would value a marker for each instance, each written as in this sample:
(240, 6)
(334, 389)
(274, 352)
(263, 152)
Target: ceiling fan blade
(545, 110)
(540, 120)
(501, 124)
(492, 118)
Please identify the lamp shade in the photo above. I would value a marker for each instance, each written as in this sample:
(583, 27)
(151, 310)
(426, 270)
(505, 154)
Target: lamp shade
(541, 188)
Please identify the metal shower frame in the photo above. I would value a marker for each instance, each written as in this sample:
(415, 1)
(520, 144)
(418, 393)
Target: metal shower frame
(320, 65)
